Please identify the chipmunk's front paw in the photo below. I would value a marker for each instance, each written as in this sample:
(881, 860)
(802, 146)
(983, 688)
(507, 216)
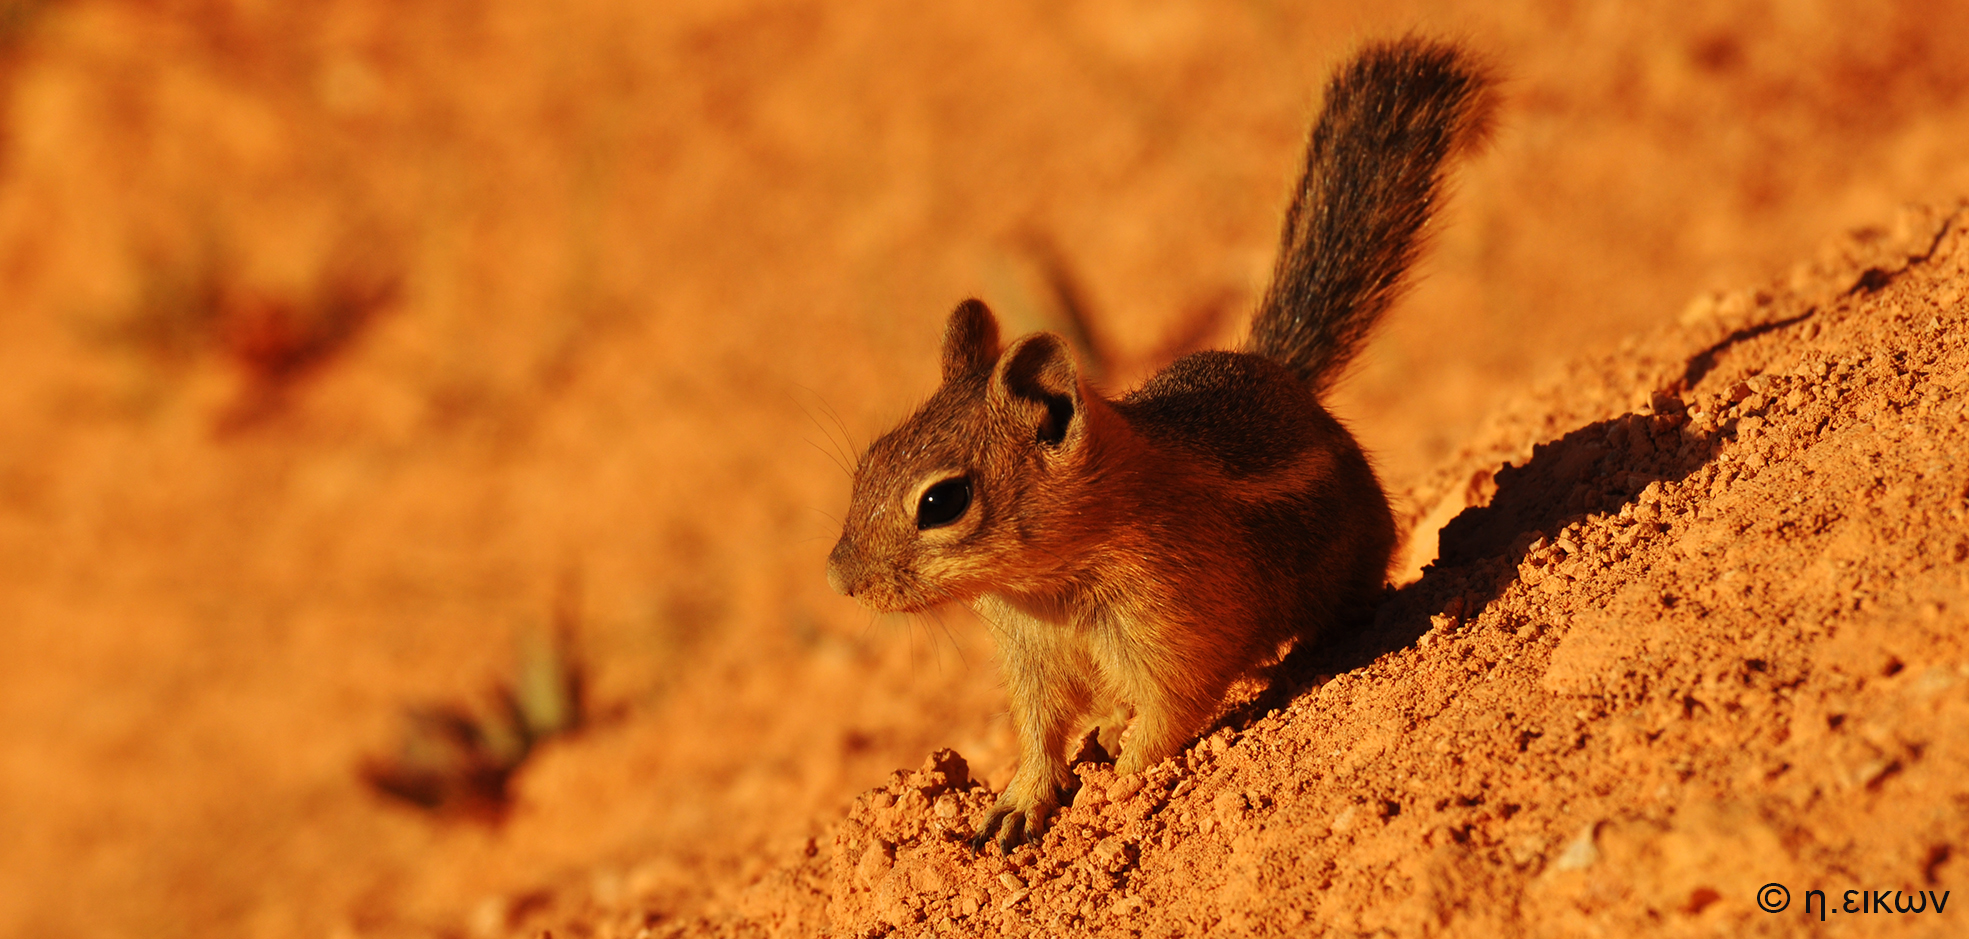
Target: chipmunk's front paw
(1012, 824)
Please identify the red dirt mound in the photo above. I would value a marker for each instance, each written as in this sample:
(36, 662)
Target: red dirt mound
(1703, 633)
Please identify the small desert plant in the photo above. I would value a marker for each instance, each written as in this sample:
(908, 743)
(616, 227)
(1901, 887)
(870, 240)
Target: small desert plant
(458, 759)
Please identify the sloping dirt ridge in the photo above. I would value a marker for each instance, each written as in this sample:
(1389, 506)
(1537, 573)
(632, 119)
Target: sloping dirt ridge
(1702, 632)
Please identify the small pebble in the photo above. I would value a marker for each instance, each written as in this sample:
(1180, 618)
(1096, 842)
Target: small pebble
(1124, 787)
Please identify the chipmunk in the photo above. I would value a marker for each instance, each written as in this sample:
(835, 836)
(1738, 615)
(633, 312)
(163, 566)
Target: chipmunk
(1138, 555)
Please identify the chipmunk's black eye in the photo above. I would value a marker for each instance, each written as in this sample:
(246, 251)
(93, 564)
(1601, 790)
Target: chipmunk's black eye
(943, 503)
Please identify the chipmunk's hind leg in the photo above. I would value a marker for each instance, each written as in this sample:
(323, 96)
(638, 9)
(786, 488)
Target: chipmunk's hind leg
(1170, 708)
(1162, 728)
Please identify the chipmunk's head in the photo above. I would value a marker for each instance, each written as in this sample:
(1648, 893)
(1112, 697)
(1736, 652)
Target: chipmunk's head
(959, 498)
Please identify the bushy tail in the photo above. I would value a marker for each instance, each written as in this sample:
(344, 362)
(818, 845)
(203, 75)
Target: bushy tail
(1393, 118)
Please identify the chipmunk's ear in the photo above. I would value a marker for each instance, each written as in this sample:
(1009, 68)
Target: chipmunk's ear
(970, 341)
(1036, 378)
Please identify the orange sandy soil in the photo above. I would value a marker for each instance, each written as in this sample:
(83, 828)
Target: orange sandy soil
(345, 342)
(1703, 633)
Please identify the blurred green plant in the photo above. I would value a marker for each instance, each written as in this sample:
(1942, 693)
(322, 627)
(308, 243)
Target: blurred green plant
(458, 760)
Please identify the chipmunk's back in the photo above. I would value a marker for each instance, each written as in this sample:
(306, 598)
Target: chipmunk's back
(1244, 411)
(1319, 532)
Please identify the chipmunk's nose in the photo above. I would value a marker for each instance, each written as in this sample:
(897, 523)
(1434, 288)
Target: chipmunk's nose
(837, 577)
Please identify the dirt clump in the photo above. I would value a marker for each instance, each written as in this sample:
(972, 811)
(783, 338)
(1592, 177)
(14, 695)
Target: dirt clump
(1702, 634)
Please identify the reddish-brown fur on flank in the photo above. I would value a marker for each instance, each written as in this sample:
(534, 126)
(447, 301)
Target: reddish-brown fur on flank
(1139, 555)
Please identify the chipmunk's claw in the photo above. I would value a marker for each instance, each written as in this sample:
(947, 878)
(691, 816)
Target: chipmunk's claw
(1011, 826)
(996, 827)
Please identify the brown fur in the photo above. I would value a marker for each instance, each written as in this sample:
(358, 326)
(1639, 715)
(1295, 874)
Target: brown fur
(1139, 555)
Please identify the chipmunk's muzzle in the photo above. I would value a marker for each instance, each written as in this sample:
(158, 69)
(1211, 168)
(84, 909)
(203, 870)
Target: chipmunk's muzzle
(840, 561)
(873, 583)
